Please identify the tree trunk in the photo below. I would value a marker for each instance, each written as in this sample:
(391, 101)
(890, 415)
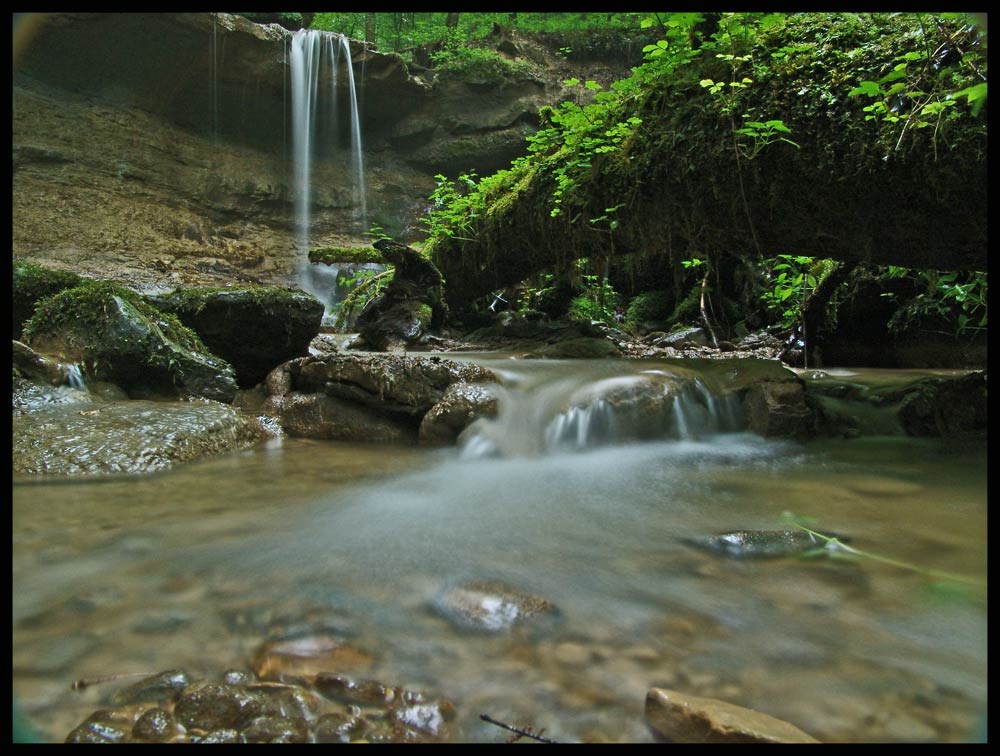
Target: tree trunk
(452, 21)
(370, 29)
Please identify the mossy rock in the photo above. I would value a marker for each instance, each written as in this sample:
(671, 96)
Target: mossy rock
(649, 306)
(345, 255)
(32, 283)
(252, 328)
(117, 337)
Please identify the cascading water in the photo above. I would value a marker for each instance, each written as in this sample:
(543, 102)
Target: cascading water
(543, 410)
(313, 56)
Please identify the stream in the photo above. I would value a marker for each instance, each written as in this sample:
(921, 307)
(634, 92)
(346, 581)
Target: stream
(194, 567)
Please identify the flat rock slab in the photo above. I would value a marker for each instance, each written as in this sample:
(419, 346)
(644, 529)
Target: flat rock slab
(691, 719)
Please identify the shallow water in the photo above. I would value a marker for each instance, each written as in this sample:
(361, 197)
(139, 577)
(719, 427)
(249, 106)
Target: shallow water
(194, 567)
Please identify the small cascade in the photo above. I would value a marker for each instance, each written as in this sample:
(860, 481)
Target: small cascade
(313, 56)
(698, 412)
(74, 377)
(542, 412)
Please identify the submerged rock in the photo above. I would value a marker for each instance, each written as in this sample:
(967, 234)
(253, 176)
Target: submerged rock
(252, 328)
(490, 605)
(310, 655)
(681, 718)
(758, 543)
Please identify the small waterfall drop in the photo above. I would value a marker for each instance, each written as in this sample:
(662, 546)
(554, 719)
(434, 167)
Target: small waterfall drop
(543, 411)
(74, 377)
(315, 128)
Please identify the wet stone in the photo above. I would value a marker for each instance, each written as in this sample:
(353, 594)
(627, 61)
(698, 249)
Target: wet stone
(156, 725)
(216, 736)
(270, 729)
(213, 706)
(490, 605)
(238, 677)
(349, 690)
(308, 656)
(758, 543)
(98, 732)
(159, 687)
(338, 728)
(682, 718)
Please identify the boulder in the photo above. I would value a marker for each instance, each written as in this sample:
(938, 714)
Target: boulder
(681, 718)
(779, 410)
(252, 328)
(377, 397)
(397, 384)
(947, 407)
(115, 336)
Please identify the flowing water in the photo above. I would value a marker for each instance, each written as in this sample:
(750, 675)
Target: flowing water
(559, 497)
(316, 57)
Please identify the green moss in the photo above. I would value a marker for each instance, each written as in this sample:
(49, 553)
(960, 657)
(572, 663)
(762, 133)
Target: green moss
(336, 255)
(85, 307)
(32, 283)
(649, 306)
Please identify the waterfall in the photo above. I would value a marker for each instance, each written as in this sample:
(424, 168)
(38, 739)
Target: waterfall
(74, 377)
(314, 127)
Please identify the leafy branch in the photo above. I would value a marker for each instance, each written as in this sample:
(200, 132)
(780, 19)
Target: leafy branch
(835, 548)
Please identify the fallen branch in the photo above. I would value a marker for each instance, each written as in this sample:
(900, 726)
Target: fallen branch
(521, 733)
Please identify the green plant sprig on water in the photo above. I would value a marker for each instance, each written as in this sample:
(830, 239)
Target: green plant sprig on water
(837, 549)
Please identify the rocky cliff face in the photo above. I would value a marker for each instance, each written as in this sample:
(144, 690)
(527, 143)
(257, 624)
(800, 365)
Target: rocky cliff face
(157, 148)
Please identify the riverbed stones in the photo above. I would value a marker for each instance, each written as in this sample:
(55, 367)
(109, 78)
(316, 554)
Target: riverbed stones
(490, 606)
(216, 706)
(681, 718)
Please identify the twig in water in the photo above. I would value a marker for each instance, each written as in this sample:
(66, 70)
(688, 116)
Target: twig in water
(87, 682)
(527, 733)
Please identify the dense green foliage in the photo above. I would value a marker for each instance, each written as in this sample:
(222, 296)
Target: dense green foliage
(597, 141)
(402, 31)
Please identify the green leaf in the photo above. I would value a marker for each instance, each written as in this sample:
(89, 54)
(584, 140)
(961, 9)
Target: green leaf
(869, 88)
(571, 82)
